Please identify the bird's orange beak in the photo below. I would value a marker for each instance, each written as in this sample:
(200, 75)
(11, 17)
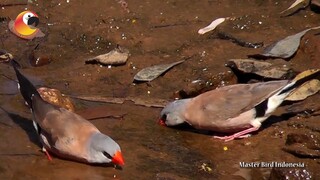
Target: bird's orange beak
(161, 122)
(117, 158)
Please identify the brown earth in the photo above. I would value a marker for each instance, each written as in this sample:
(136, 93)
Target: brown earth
(155, 32)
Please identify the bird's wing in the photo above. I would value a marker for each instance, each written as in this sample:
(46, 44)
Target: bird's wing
(229, 102)
(66, 132)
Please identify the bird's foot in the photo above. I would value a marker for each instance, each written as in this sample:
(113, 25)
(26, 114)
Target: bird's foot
(47, 153)
(241, 134)
(231, 137)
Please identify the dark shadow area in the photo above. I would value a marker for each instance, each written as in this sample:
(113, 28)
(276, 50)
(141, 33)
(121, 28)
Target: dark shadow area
(97, 62)
(251, 77)
(266, 124)
(105, 165)
(187, 127)
(262, 57)
(2, 120)
(315, 8)
(289, 103)
(26, 125)
(233, 39)
(275, 119)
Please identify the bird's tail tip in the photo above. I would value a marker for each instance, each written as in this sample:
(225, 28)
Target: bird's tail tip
(15, 64)
(27, 89)
(300, 79)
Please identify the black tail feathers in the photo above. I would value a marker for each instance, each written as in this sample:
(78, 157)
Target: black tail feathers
(262, 107)
(299, 82)
(27, 89)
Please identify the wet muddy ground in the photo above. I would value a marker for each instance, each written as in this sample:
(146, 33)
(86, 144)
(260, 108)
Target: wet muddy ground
(154, 32)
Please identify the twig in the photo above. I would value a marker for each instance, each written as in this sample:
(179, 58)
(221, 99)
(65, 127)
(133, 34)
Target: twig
(168, 25)
(13, 4)
(7, 94)
(108, 116)
(222, 35)
(5, 124)
(9, 78)
(19, 154)
(157, 103)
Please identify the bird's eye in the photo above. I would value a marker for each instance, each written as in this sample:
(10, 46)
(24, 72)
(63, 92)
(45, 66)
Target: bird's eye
(107, 155)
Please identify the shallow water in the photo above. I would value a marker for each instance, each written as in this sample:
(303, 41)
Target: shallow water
(155, 32)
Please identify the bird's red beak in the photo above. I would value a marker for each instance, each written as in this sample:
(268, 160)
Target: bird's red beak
(162, 122)
(117, 158)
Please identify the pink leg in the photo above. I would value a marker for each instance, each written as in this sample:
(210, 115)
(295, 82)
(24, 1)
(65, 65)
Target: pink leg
(241, 134)
(48, 156)
(47, 153)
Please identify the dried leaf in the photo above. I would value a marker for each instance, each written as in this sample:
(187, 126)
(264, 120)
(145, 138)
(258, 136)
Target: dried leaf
(152, 72)
(286, 47)
(5, 56)
(298, 4)
(307, 89)
(118, 56)
(55, 97)
(211, 26)
(305, 73)
(261, 68)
